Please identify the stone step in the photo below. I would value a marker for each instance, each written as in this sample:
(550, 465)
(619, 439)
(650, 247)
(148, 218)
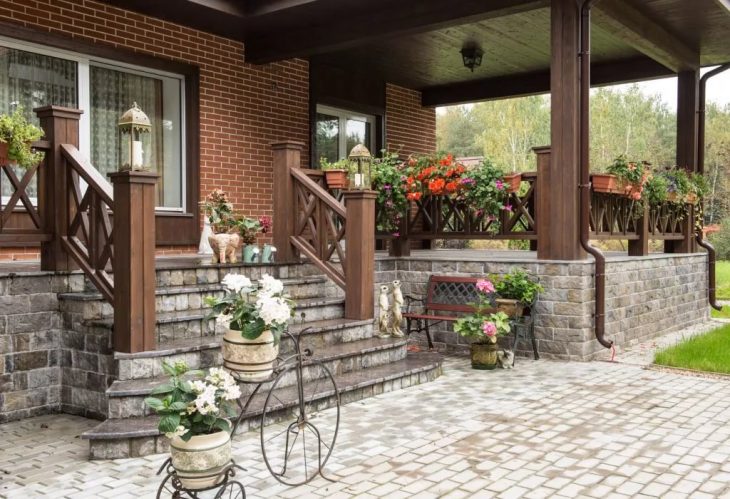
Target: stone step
(92, 305)
(126, 397)
(138, 436)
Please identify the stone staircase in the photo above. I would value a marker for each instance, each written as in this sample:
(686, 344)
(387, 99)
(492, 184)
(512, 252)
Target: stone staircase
(362, 365)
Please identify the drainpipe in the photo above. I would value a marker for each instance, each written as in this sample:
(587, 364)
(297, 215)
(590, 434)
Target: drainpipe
(711, 294)
(585, 186)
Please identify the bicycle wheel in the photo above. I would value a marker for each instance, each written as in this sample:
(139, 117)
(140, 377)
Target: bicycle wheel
(232, 490)
(299, 423)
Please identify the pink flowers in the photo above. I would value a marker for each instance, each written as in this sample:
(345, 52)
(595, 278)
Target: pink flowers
(485, 286)
(507, 207)
(499, 185)
(490, 329)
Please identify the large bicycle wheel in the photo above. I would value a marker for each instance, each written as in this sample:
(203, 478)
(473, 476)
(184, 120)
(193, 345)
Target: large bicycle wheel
(300, 422)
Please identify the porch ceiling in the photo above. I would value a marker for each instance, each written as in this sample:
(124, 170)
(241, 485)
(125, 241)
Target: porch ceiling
(416, 43)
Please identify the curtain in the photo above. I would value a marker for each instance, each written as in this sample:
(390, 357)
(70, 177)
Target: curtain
(112, 93)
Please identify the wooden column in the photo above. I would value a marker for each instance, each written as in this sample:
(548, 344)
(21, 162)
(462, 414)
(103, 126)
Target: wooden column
(61, 126)
(688, 91)
(640, 247)
(401, 246)
(359, 254)
(134, 261)
(558, 190)
(287, 155)
(542, 223)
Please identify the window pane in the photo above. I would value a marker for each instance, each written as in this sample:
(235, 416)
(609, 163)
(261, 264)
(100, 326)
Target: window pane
(112, 92)
(33, 80)
(358, 132)
(328, 137)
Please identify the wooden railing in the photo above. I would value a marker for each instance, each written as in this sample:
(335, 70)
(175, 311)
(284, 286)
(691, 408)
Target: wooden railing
(336, 236)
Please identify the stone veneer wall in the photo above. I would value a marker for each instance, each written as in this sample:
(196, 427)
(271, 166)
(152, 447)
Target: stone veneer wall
(646, 297)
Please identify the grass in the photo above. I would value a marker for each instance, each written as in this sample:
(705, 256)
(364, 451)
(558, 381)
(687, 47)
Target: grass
(722, 273)
(708, 352)
(724, 314)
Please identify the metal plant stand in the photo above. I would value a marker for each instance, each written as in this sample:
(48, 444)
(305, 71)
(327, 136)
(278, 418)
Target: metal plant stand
(225, 487)
(296, 440)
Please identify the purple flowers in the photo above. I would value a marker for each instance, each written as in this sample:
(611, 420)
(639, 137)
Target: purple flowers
(507, 207)
(387, 187)
(396, 234)
(467, 181)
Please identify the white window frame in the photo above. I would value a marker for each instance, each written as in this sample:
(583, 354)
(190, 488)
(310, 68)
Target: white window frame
(343, 115)
(83, 81)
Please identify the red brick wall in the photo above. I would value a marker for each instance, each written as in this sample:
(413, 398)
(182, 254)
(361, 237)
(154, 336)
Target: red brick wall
(410, 128)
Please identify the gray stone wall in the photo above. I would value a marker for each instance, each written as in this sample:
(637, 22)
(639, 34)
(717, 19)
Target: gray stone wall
(31, 337)
(646, 297)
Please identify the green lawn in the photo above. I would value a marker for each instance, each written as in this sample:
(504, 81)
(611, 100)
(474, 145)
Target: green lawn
(722, 273)
(725, 314)
(708, 352)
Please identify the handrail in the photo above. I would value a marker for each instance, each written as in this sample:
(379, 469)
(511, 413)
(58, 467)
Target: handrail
(318, 191)
(91, 175)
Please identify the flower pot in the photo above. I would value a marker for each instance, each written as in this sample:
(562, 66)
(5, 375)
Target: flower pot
(199, 461)
(483, 356)
(603, 182)
(267, 255)
(251, 253)
(512, 308)
(513, 181)
(3, 153)
(336, 179)
(691, 198)
(250, 360)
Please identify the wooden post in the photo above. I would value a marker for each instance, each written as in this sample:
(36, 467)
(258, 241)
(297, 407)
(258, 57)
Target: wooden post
(61, 126)
(134, 261)
(640, 247)
(401, 245)
(542, 223)
(559, 190)
(688, 90)
(287, 155)
(359, 254)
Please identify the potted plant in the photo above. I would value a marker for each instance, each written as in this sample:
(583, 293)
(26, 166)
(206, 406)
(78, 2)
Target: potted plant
(631, 176)
(656, 189)
(193, 408)
(698, 188)
(254, 318)
(248, 228)
(336, 173)
(678, 185)
(514, 291)
(391, 200)
(16, 140)
(483, 328)
(513, 181)
(219, 212)
(485, 192)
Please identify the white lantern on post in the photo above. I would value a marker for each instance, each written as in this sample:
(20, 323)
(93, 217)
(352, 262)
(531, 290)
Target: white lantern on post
(135, 136)
(361, 158)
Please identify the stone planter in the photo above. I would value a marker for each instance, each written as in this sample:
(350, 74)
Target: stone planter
(483, 356)
(511, 307)
(224, 247)
(250, 360)
(513, 181)
(336, 179)
(251, 253)
(199, 461)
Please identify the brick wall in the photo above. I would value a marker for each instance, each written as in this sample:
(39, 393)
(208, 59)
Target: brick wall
(410, 128)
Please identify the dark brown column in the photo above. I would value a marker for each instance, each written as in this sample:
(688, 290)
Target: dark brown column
(287, 155)
(359, 254)
(559, 189)
(61, 126)
(134, 261)
(542, 223)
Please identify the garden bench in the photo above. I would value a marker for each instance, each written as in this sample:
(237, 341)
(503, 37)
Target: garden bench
(448, 298)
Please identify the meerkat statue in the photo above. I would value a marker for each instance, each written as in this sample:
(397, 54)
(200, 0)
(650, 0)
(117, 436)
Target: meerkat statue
(396, 315)
(383, 325)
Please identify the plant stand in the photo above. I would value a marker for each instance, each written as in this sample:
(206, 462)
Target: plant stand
(225, 486)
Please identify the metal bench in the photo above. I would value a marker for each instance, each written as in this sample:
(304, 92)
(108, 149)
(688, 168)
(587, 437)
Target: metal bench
(448, 298)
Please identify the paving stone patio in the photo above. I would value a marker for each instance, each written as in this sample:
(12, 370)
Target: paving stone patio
(544, 429)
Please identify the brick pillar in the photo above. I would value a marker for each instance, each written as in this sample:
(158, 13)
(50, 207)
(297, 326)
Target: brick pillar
(287, 155)
(134, 261)
(359, 254)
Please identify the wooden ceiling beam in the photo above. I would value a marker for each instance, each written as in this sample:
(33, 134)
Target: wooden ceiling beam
(607, 73)
(313, 31)
(624, 21)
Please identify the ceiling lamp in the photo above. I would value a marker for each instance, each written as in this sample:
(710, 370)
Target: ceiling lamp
(472, 57)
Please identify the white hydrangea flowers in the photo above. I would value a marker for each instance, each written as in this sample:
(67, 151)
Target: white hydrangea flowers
(270, 286)
(274, 310)
(217, 385)
(237, 283)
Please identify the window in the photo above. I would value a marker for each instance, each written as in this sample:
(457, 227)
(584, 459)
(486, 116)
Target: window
(33, 76)
(338, 131)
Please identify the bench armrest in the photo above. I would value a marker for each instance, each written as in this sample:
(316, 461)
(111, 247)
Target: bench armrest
(412, 299)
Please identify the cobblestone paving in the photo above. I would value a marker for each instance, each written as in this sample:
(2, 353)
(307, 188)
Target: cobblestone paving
(543, 429)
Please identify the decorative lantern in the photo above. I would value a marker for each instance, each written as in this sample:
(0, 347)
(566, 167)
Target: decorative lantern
(135, 135)
(471, 56)
(361, 158)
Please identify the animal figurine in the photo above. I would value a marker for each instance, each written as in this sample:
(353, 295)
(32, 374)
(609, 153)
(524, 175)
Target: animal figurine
(396, 311)
(224, 246)
(383, 323)
(505, 359)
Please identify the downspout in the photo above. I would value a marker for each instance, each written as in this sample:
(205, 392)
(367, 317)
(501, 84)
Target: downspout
(711, 290)
(585, 186)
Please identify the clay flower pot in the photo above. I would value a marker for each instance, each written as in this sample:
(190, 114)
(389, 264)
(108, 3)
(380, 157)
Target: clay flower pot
(603, 182)
(483, 356)
(336, 179)
(251, 360)
(513, 181)
(199, 461)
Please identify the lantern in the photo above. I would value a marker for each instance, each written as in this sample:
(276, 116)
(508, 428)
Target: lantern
(135, 135)
(362, 160)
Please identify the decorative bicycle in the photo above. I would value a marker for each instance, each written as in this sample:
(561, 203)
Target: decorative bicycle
(227, 488)
(293, 429)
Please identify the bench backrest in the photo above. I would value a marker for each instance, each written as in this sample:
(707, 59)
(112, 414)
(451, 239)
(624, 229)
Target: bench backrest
(451, 293)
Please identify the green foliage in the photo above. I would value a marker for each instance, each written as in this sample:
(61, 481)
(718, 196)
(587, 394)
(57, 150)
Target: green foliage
(487, 193)
(517, 285)
(721, 241)
(219, 211)
(19, 135)
(343, 164)
(655, 190)
(475, 326)
(387, 181)
(192, 403)
(707, 352)
(247, 228)
(632, 172)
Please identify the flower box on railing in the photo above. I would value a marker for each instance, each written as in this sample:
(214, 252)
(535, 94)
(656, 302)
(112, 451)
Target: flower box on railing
(513, 181)
(606, 183)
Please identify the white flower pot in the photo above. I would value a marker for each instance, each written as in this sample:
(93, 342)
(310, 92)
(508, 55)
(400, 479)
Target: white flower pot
(251, 360)
(199, 461)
